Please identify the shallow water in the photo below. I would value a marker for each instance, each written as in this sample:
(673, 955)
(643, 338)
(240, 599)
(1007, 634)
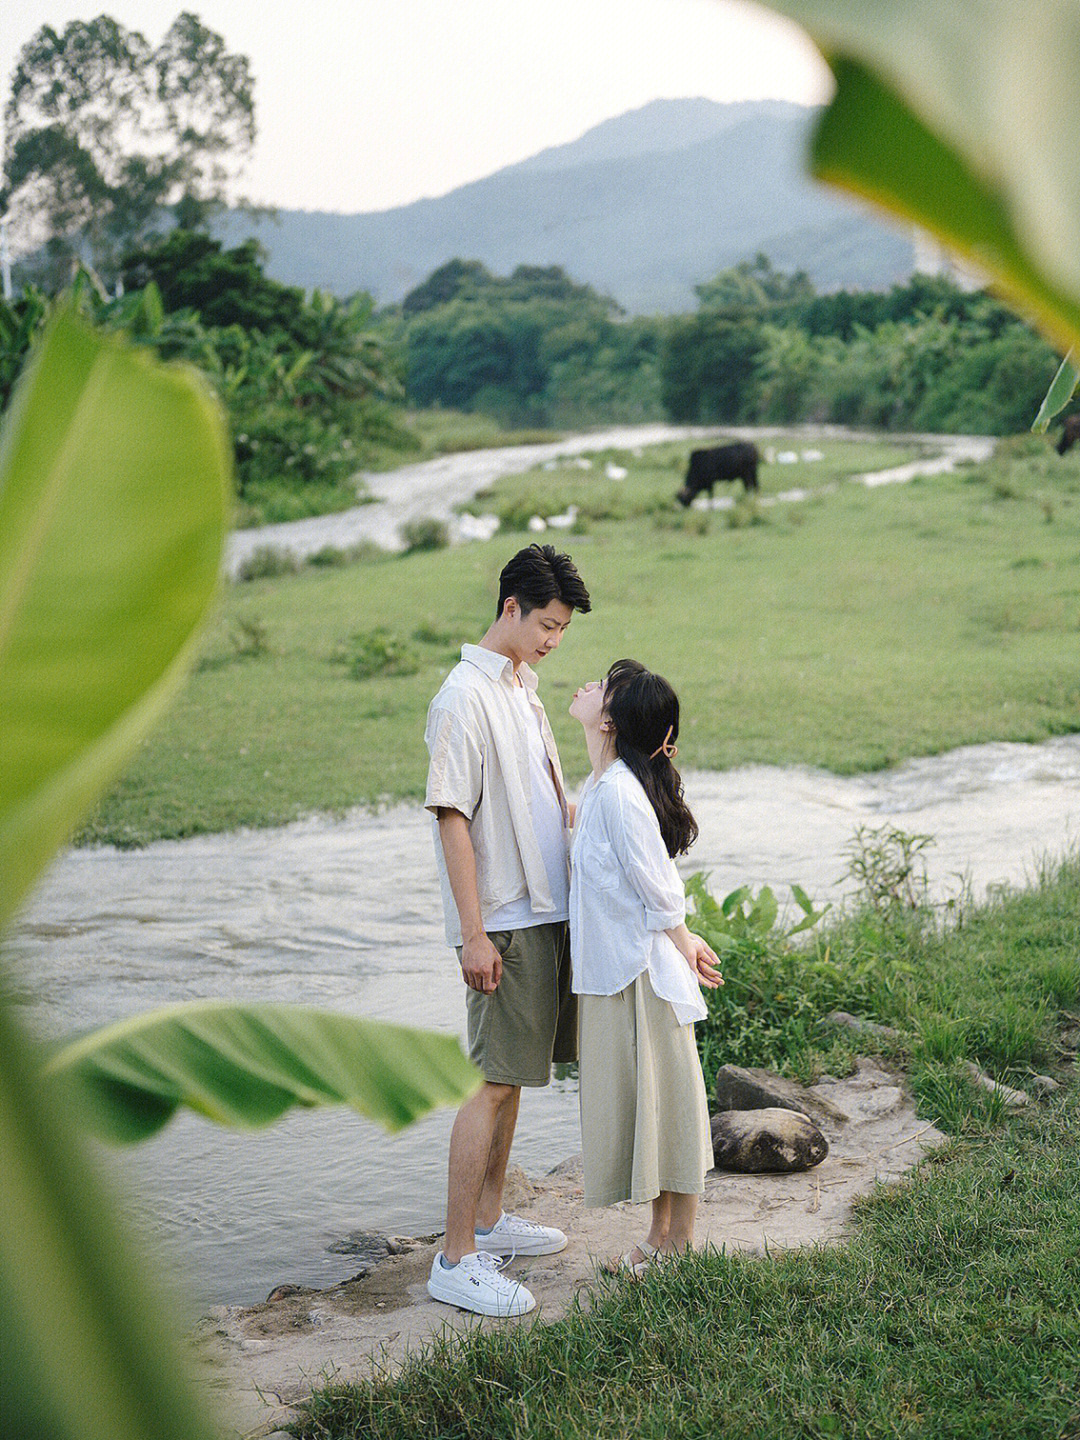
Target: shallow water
(345, 914)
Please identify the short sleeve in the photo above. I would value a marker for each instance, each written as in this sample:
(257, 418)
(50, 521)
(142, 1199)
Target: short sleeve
(636, 839)
(456, 770)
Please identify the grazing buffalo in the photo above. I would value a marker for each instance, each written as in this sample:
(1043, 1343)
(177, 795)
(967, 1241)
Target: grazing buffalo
(726, 462)
(1069, 434)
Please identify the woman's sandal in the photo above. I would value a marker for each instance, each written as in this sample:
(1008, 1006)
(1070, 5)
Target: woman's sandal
(627, 1265)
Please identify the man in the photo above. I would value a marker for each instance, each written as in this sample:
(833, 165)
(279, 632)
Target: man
(495, 788)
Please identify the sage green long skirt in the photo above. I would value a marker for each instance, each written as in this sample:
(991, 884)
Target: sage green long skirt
(644, 1115)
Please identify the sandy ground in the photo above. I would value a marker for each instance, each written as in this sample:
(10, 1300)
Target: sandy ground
(258, 1362)
(434, 488)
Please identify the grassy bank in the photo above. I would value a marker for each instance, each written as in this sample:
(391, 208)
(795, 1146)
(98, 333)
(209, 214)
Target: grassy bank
(953, 1311)
(848, 631)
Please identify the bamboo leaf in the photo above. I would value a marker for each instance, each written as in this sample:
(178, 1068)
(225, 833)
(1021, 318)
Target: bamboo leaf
(114, 475)
(245, 1065)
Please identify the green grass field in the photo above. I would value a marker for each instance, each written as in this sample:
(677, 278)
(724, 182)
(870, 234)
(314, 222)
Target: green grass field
(847, 631)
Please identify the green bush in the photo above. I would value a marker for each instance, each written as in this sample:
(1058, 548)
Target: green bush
(267, 562)
(375, 652)
(425, 534)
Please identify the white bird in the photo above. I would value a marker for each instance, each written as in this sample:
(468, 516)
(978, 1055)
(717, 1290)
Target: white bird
(615, 472)
(537, 523)
(787, 457)
(564, 521)
(582, 463)
(813, 455)
(477, 527)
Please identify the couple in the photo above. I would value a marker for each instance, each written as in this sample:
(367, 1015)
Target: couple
(517, 917)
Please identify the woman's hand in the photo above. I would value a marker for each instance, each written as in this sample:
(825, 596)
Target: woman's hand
(701, 958)
(705, 963)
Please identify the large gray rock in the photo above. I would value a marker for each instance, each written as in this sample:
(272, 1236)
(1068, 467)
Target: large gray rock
(739, 1088)
(771, 1139)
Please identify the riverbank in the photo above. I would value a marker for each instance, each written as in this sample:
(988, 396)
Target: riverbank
(950, 1308)
(260, 1361)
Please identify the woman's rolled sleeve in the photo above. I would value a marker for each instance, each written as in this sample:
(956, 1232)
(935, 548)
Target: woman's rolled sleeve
(456, 772)
(640, 847)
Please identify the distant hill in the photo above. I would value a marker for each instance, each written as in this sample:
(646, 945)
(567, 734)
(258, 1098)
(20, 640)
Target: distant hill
(642, 207)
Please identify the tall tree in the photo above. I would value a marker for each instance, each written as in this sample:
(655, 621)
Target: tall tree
(105, 135)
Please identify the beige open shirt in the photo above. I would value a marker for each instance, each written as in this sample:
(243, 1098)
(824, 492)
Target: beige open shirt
(479, 752)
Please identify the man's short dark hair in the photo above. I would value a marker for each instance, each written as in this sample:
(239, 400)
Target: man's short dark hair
(538, 575)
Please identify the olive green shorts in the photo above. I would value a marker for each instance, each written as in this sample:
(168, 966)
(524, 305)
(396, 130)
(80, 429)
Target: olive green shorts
(529, 1021)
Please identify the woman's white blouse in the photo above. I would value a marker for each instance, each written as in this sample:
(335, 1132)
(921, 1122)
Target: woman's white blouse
(624, 893)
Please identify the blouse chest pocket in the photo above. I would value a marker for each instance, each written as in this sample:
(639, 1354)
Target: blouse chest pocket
(597, 863)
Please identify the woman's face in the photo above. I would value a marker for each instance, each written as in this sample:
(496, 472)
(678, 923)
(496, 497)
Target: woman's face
(588, 704)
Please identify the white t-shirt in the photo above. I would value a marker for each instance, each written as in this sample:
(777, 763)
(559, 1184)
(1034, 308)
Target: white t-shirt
(624, 893)
(550, 829)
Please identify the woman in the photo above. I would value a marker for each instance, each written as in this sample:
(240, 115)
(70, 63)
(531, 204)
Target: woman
(637, 968)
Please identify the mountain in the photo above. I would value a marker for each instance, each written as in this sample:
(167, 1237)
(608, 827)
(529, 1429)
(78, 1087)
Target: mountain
(642, 207)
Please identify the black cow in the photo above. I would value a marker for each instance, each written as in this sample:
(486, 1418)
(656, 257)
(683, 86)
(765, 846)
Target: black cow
(1069, 434)
(726, 462)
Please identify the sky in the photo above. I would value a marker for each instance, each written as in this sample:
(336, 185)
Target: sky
(367, 104)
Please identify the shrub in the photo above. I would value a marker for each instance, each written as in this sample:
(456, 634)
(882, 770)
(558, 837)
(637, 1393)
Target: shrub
(375, 652)
(425, 534)
(267, 562)
(332, 556)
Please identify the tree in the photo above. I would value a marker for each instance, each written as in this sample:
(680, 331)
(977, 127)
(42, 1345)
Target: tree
(106, 135)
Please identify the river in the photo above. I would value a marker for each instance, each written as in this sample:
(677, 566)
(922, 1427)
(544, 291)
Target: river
(344, 914)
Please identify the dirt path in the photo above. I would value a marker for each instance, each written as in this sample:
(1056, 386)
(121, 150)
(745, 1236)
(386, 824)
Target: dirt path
(434, 488)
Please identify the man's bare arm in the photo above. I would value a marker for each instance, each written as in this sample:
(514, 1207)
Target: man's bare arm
(481, 963)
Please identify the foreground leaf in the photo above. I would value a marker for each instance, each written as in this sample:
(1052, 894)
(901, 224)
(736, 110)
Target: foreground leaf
(85, 1348)
(1062, 389)
(964, 121)
(245, 1065)
(114, 479)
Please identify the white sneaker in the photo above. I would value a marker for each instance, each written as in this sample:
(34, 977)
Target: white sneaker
(476, 1283)
(511, 1235)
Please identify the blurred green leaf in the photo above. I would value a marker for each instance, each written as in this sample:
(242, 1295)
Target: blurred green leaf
(114, 476)
(1062, 390)
(86, 1348)
(245, 1065)
(964, 122)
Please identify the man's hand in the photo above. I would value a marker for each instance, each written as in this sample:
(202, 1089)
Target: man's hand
(481, 964)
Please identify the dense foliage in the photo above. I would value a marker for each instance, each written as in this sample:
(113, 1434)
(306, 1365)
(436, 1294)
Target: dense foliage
(530, 348)
(926, 355)
(763, 346)
(305, 381)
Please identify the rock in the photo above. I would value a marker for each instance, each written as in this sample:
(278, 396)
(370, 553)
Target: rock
(1044, 1084)
(740, 1088)
(1014, 1099)
(863, 1027)
(368, 1245)
(774, 1139)
(286, 1292)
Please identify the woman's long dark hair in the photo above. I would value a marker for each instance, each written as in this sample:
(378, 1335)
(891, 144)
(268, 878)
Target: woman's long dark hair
(644, 710)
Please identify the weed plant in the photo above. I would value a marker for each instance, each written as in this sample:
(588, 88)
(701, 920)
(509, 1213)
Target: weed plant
(986, 987)
(425, 534)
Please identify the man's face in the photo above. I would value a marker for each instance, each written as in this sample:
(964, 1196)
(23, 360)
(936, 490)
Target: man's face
(536, 634)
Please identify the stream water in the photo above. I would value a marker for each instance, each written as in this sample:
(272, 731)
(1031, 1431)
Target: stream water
(344, 914)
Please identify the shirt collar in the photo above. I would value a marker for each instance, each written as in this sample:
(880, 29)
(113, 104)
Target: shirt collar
(612, 771)
(498, 667)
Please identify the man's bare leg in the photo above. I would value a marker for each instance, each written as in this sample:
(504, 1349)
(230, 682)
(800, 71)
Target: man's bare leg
(479, 1148)
(491, 1196)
